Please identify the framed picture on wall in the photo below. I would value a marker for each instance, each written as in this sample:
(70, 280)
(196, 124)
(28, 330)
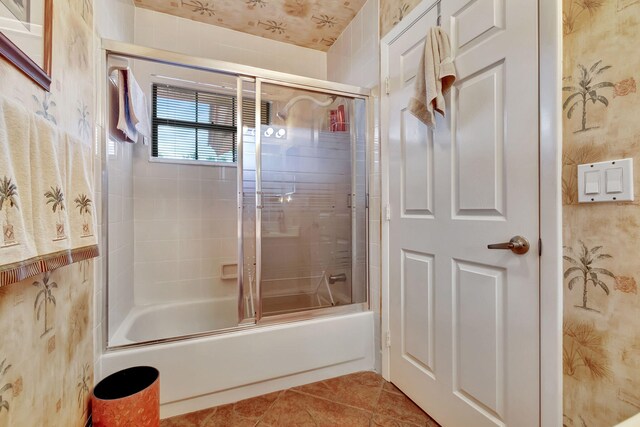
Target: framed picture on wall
(19, 8)
(25, 37)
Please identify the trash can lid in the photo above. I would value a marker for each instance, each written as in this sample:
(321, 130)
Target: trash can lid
(126, 382)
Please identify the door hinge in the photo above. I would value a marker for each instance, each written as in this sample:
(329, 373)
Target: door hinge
(387, 340)
(387, 86)
(539, 247)
(387, 213)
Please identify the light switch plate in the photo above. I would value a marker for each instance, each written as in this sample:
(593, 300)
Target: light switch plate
(610, 181)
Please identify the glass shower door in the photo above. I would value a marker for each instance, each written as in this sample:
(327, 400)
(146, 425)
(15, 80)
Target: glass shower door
(308, 194)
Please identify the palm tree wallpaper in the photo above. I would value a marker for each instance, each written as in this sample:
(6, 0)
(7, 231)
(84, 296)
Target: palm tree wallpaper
(394, 11)
(574, 12)
(83, 384)
(601, 333)
(45, 105)
(304, 23)
(4, 404)
(584, 351)
(39, 374)
(583, 270)
(44, 298)
(586, 91)
(8, 201)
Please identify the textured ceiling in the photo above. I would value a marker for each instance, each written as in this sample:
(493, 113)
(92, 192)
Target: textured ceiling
(315, 24)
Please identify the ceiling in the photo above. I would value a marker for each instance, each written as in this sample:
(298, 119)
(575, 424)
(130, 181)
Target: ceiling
(315, 24)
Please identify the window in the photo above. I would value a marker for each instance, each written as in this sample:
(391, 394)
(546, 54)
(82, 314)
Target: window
(194, 125)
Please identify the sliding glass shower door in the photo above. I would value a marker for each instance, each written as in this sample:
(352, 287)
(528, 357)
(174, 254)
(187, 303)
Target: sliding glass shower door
(310, 201)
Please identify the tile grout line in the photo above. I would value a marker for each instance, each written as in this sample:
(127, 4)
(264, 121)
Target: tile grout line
(280, 393)
(331, 401)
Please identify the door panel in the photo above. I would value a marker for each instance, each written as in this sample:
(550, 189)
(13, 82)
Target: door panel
(417, 317)
(464, 319)
(478, 337)
(417, 166)
(476, 21)
(478, 135)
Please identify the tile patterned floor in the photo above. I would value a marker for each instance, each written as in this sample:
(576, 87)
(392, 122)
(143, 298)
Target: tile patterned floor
(361, 399)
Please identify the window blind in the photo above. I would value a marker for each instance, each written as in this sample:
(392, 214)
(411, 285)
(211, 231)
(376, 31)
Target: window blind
(195, 125)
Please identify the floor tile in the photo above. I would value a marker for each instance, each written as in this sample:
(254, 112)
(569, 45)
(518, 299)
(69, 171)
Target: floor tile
(382, 421)
(391, 388)
(256, 407)
(225, 416)
(400, 407)
(361, 399)
(193, 419)
(360, 390)
(299, 409)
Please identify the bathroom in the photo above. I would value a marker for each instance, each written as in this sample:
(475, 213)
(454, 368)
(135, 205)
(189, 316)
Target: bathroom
(334, 253)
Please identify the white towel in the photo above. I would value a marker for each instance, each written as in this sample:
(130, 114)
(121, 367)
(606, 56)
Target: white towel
(436, 75)
(42, 173)
(50, 198)
(80, 194)
(124, 116)
(16, 223)
(140, 112)
(133, 118)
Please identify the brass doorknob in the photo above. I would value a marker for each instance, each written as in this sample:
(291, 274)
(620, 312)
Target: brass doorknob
(518, 245)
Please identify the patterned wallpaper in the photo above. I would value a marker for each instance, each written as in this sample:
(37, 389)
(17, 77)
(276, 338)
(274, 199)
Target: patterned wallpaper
(394, 11)
(602, 241)
(315, 24)
(46, 348)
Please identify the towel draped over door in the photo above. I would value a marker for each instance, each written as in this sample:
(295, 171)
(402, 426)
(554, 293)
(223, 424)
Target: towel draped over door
(436, 74)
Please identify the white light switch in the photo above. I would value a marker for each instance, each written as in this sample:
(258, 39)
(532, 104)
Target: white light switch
(614, 180)
(610, 181)
(592, 182)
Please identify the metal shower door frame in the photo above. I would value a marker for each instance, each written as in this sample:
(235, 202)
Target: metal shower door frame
(244, 74)
(259, 315)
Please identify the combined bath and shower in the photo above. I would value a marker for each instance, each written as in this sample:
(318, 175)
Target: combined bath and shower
(284, 113)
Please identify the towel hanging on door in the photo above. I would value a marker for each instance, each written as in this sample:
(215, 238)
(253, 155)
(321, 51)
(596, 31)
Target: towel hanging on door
(436, 75)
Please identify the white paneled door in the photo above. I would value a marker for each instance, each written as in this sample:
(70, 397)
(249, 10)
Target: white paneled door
(463, 318)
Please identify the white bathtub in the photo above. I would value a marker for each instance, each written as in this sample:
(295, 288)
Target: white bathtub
(203, 372)
(156, 322)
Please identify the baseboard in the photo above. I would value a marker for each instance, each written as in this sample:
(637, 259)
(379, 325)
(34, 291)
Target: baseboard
(252, 390)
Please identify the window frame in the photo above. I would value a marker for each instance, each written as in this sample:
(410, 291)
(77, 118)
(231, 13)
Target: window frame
(185, 124)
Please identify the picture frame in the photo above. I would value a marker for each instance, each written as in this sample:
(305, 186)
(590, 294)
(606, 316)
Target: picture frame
(25, 28)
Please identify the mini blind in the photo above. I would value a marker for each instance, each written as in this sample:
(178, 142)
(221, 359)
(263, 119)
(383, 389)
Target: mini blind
(195, 125)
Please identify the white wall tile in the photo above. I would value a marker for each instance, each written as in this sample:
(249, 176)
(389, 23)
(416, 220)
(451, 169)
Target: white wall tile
(114, 19)
(354, 59)
(162, 31)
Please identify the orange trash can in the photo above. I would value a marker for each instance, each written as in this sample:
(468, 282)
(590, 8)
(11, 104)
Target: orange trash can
(130, 397)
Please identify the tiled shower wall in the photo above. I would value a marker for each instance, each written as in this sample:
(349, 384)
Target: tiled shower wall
(181, 239)
(185, 229)
(354, 59)
(120, 230)
(162, 31)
